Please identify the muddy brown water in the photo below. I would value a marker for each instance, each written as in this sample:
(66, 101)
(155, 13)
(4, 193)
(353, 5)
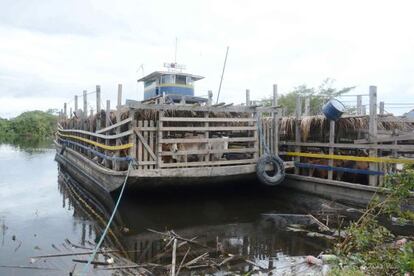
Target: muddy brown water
(40, 215)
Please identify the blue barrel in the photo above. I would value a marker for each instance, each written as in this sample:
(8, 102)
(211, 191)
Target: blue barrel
(333, 109)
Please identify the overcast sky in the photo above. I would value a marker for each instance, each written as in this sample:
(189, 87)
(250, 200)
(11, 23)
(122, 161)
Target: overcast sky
(52, 50)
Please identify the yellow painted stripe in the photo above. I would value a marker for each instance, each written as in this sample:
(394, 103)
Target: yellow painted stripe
(120, 147)
(352, 158)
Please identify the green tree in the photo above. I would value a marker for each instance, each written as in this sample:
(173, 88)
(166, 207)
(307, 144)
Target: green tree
(318, 96)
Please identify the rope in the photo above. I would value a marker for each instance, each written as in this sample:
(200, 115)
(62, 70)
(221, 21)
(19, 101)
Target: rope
(100, 154)
(352, 158)
(85, 269)
(339, 169)
(261, 135)
(120, 147)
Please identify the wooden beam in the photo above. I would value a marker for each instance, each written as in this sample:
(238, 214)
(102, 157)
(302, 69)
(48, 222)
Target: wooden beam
(298, 139)
(127, 120)
(146, 146)
(207, 140)
(248, 97)
(359, 105)
(331, 144)
(210, 163)
(275, 122)
(409, 148)
(200, 152)
(373, 179)
(204, 119)
(213, 128)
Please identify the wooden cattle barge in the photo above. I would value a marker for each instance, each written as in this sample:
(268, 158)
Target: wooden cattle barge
(167, 143)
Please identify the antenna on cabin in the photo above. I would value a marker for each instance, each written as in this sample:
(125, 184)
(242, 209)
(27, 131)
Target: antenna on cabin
(222, 74)
(141, 67)
(175, 52)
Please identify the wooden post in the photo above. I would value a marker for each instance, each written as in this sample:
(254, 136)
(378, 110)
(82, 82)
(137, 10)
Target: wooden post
(331, 144)
(107, 124)
(76, 104)
(373, 179)
(297, 129)
(307, 106)
(65, 111)
(275, 117)
(98, 116)
(85, 105)
(70, 112)
(210, 97)
(133, 136)
(359, 105)
(119, 101)
(247, 97)
(118, 129)
(381, 108)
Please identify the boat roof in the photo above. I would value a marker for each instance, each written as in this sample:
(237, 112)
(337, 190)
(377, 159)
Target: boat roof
(156, 74)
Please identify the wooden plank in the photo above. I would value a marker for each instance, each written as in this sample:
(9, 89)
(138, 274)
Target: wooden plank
(210, 163)
(159, 137)
(275, 122)
(215, 128)
(166, 107)
(204, 119)
(133, 138)
(205, 140)
(373, 179)
(140, 146)
(199, 152)
(331, 143)
(151, 143)
(206, 136)
(107, 123)
(144, 139)
(148, 128)
(298, 114)
(409, 148)
(101, 136)
(127, 120)
(386, 138)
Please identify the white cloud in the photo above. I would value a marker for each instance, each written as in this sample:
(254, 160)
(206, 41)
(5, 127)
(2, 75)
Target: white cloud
(54, 49)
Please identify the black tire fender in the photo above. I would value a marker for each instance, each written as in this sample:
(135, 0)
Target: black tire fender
(263, 176)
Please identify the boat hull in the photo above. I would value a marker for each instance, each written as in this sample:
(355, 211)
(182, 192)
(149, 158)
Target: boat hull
(98, 179)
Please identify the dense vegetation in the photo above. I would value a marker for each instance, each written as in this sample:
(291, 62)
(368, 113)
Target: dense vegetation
(31, 125)
(370, 248)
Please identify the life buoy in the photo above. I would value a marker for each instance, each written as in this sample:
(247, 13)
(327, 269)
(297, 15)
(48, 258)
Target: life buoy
(278, 174)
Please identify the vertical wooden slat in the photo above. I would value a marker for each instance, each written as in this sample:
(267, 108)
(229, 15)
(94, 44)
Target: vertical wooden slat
(373, 179)
(118, 119)
(159, 136)
(107, 124)
(275, 123)
(359, 104)
(331, 144)
(133, 137)
(140, 147)
(146, 155)
(298, 114)
(151, 142)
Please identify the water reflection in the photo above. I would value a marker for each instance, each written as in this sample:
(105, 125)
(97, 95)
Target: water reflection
(230, 220)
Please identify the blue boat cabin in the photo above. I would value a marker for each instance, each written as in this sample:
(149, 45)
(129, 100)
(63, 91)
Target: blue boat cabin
(169, 83)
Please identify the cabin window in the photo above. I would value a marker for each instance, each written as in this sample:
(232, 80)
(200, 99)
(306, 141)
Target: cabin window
(180, 79)
(148, 83)
(167, 79)
(189, 81)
